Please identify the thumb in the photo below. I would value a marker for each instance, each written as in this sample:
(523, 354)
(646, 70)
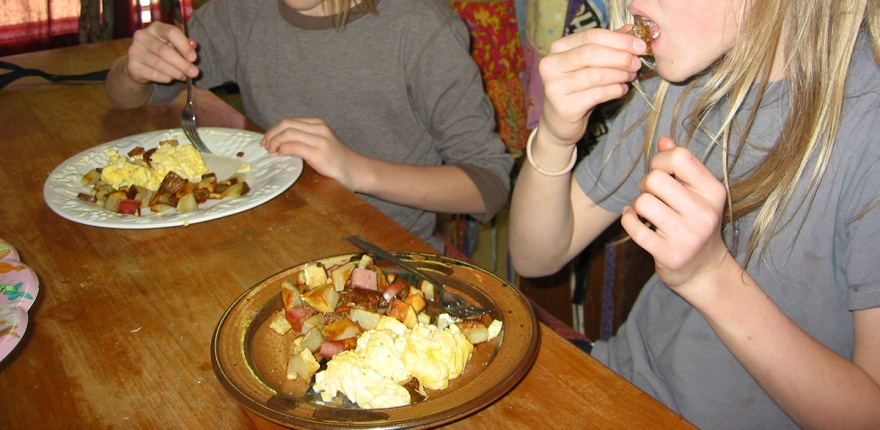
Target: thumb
(665, 143)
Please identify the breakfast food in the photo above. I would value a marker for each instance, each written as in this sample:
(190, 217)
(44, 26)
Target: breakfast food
(375, 337)
(643, 32)
(148, 168)
(170, 176)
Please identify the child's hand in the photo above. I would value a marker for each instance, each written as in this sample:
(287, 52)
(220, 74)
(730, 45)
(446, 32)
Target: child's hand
(317, 144)
(161, 53)
(684, 204)
(581, 71)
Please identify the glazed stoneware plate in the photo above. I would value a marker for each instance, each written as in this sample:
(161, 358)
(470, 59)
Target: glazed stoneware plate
(18, 290)
(250, 359)
(269, 176)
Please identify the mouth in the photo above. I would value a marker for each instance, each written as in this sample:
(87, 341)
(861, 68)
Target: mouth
(653, 28)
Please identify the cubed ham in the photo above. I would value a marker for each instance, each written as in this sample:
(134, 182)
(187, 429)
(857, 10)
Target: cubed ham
(364, 278)
(330, 348)
(296, 315)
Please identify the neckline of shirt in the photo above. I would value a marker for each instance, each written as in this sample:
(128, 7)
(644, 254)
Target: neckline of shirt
(316, 23)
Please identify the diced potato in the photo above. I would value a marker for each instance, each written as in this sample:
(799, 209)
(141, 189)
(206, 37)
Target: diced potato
(340, 275)
(112, 201)
(322, 299)
(424, 318)
(314, 321)
(236, 190)
(187, 203)
(366, 319)
(91, 178)
(313, 339)
(280, 324)
(303, 365)
(495, 329)
(160, 207)
(428, 290)
(290, 295)
(343, 328)
(366, 262)
(381, 279)
(416, 298)
(475, 334)
(315, 274)
(144, 195)
(403, 312)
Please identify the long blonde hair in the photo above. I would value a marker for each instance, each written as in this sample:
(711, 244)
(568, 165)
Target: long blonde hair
(820, 36)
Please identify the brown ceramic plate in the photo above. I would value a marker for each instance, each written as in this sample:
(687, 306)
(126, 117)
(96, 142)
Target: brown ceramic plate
(250, 359)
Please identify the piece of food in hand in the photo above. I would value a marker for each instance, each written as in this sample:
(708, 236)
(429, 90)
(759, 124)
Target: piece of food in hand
(643, 32)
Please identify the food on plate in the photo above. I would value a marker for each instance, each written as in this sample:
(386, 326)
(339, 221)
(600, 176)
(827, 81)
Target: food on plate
(170, 176)
(148, 168)
(643, 32)
(376, 338)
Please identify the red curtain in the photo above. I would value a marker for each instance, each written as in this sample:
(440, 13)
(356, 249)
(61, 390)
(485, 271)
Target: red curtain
(32, 25)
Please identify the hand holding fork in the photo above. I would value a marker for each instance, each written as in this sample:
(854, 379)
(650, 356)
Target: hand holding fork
(188, 116)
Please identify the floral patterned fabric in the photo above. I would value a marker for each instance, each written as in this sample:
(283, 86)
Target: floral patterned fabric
(495, 46)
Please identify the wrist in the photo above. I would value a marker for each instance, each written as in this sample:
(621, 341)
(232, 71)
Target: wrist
(713, 286)
(549, 167)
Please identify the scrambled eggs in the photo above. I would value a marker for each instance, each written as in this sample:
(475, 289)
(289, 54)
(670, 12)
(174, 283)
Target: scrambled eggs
(184, 160)
(387, 356)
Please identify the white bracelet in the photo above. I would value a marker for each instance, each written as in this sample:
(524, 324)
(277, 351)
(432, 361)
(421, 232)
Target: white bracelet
(565, 170)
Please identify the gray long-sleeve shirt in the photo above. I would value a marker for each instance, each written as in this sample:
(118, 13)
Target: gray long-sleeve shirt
(399, 86)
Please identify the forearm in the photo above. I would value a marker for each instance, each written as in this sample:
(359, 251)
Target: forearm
(445, 189)
(543, 233)
(122, 91)
(812, 384)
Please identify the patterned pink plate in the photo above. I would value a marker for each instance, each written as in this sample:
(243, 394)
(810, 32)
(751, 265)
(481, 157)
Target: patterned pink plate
(18, 290)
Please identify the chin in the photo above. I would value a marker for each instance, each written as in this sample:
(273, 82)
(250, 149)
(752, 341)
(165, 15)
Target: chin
(676, 73)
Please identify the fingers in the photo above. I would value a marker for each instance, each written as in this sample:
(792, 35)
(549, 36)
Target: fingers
(283, 137)
(687, 169)
(582, 71)
(680, 207)
(161, 53)
(613, 39)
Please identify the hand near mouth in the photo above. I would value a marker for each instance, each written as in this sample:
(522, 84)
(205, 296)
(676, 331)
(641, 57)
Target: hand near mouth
(642, 31)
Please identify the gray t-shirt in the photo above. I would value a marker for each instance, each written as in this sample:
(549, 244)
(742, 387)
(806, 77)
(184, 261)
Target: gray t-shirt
(399, 86)
(822, 266)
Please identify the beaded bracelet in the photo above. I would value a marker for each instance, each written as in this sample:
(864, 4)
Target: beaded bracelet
(564, 170)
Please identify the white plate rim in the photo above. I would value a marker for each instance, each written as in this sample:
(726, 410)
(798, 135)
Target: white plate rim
(270, 175)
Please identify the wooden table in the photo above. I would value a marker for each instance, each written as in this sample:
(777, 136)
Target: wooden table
(120, 334)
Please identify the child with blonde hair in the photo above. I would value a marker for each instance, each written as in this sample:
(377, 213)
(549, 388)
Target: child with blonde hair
(747, 162)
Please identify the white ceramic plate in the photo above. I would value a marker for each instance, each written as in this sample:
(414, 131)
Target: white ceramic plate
(269, 176)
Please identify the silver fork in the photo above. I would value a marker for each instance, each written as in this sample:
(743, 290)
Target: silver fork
(452, 303)
(188, 116)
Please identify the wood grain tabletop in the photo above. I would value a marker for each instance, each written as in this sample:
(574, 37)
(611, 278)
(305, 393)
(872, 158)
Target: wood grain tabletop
(120, 334)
